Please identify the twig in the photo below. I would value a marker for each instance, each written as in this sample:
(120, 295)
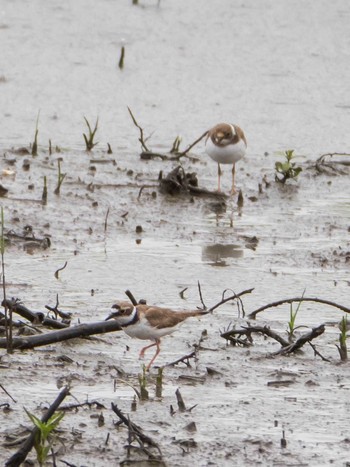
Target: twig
(20, 456)
(318, 353)
(183, 153)
(233, 297)
(258, 329)
(136, 430)
(180, 402)
(185, 359)
(201, 296)
(141, 139)
(61, 269)
(106, 219)
(253, 314)
(131, 297)
(6, 392)
(315, 332)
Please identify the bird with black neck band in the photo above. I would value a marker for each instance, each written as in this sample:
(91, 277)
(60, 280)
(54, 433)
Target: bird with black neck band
(149, 322)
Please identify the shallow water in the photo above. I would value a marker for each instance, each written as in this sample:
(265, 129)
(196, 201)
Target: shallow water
(277, 69)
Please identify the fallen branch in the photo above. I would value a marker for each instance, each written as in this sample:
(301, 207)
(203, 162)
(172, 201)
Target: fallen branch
(248, 331)
(19, 457)
(307, 337)
(81, 330)
(230, 298)
(34, 317)
(138, 434)
(253, 314)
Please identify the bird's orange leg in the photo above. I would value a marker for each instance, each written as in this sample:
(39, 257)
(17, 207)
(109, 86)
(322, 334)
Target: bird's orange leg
(233, 189)
(157, 343)
(143, 350)
(219, 175)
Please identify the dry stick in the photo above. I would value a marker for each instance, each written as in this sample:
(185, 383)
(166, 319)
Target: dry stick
(318, 353)
(106, 219)
(253, 314)
(233, 297)
(308, 336)
(6, 392)
(20, 456)
(127, 422)
(131, 297)
(141, 139)
(185, 359)
(201, 296)
(61, 269)
(33, 316)
(82, 330)
(183, 153)
(259, 329)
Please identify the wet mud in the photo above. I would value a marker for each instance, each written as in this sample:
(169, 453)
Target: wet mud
(112, 227)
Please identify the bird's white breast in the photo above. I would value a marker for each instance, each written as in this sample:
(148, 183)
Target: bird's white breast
(143, 330)
(226, 154)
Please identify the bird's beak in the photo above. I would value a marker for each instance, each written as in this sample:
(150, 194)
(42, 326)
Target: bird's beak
(111, 316)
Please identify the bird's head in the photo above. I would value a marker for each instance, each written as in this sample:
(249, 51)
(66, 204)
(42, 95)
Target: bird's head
(123, 314)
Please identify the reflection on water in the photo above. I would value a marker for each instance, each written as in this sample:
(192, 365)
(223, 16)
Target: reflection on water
(217, 253)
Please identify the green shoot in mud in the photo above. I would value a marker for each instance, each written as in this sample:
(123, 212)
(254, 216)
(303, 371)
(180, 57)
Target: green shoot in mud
(35, 142)
(60, 178)
(44, 195)
(44, 437)
(292, 318)
(159, 383)
(143, 384)
(287, 169)
(89, 140)
(342, 347)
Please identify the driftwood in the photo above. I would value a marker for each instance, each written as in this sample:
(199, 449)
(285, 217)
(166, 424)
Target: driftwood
(287, 347)
(329, 166)
(179, 182)
(19, 457)
(253, 314)
(248, 331)
(303, 339)
(35, 317)
(81, 330)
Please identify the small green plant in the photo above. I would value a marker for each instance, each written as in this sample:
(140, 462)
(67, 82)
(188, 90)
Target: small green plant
(60, 177)
(287, 169)
(159, 383)
(342, 348)
(35, 142)
(143, 385)
(44, 436)
(44, 195)
(89, 140)
(292, 318)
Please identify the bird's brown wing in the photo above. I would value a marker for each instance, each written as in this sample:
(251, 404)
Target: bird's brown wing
(164, 318)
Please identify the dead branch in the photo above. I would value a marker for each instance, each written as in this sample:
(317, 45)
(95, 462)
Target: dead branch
(185, 359)
(232, 297)
(179, 182)
(20, 456)
(56, 311)
(34, 317)
(141, 139)
(248, 331)
(316, 352)
(81, 330)
(307, 337)
(253, 314)
(137, 431)
(183, 153)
